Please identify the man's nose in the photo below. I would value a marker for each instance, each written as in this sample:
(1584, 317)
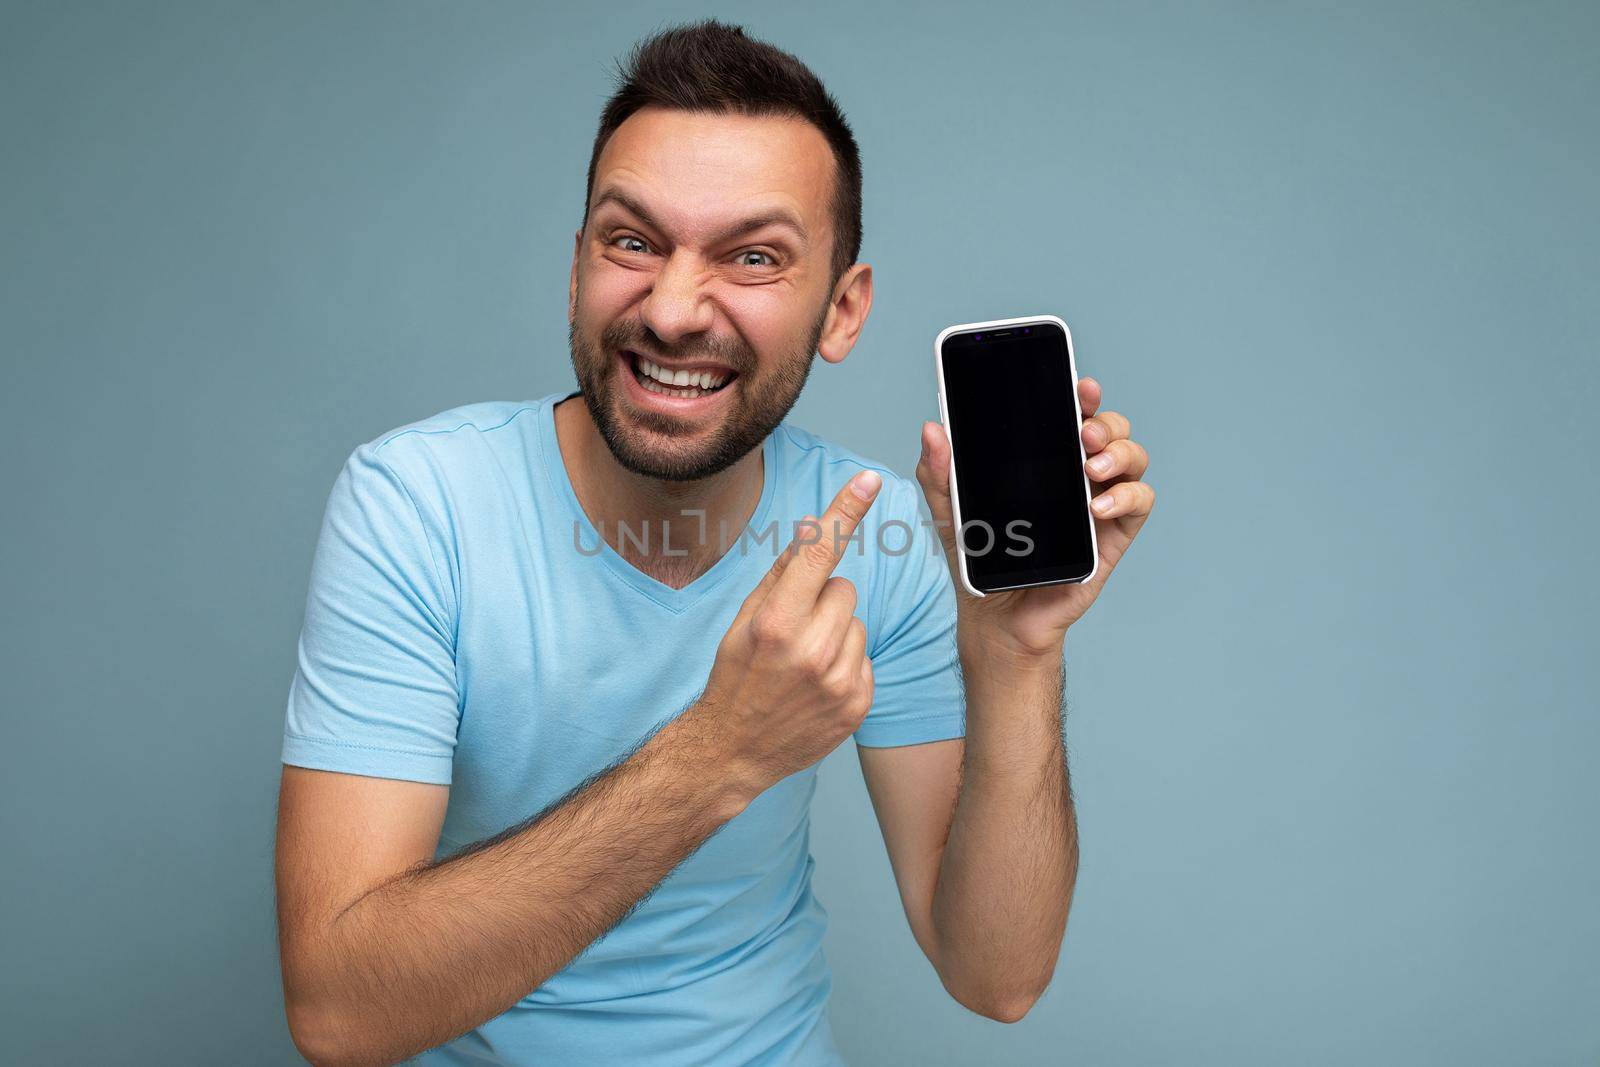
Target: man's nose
(677, 305)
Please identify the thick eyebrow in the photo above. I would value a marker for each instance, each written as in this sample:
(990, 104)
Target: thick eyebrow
(773, 217)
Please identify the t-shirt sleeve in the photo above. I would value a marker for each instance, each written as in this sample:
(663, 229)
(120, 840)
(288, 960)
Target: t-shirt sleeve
(917, 693)
(374, 689)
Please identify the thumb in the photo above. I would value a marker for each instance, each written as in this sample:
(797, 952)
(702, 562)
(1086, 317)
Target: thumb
(933, 474)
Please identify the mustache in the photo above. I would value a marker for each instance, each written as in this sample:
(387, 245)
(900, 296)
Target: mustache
(728, 351)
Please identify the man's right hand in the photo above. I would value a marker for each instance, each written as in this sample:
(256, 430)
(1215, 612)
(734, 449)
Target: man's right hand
(792, 679)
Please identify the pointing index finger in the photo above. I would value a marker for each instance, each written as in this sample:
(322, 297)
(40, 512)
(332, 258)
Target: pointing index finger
(802, 581)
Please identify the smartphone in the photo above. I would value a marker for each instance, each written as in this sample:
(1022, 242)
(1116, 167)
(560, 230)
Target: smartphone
(1008, 395)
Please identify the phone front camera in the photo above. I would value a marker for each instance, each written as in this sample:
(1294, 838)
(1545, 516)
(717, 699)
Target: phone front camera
(977, 337)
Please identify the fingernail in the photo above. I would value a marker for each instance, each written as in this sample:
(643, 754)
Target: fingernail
(1100, 464)
(1102, 503)
(865, 484)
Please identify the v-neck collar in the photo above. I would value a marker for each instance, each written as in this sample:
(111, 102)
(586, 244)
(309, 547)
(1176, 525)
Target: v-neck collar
(674, 600)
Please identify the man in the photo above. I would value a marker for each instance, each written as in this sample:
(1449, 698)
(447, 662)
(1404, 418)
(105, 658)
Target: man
(553, 735)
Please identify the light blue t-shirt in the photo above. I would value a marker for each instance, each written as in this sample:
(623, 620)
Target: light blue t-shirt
(466, 625)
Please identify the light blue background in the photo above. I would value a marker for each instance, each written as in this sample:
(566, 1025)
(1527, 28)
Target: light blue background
(1333, 723)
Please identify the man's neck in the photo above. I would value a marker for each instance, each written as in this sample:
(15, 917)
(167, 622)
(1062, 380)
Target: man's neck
(661, 540)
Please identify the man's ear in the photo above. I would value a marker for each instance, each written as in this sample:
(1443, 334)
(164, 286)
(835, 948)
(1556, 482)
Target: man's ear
(572, 283)
(847, 313)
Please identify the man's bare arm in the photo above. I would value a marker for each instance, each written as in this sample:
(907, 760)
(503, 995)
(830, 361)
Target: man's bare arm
(1010, 863)
(434, 950)
(1003, 876)
(386, 954)
(983, 841)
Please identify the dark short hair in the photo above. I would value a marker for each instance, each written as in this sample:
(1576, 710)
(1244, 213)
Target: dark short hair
(714, 67)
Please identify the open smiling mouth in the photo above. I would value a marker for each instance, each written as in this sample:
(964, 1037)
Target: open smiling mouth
(682, 384)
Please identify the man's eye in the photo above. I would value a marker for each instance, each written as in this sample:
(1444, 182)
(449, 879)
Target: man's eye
(752, 252)
(629, 237)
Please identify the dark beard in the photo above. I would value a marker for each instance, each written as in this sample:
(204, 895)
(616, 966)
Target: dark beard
(762, 402)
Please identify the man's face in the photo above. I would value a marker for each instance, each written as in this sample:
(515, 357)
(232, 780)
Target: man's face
(705, 263)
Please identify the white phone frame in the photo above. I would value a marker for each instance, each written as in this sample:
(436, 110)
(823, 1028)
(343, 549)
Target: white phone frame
(1077, 421)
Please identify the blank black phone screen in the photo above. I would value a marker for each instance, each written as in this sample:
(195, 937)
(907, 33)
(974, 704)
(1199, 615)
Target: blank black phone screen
(1013, 421)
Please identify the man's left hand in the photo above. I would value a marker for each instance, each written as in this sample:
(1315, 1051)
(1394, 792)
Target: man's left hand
(1031, 623)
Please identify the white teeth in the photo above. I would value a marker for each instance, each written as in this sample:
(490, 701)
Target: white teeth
(656, 387)
(678, 383)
